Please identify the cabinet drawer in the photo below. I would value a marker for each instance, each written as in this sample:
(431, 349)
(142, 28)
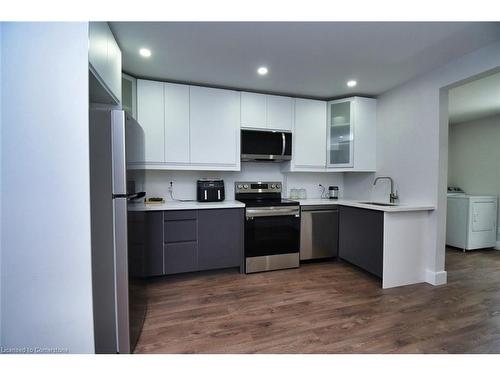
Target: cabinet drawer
(180, 215)
(180, 231)
(180, 257)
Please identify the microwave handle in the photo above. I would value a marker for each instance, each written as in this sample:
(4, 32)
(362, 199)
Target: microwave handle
(283, 138)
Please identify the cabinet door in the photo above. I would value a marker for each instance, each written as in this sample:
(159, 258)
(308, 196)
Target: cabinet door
(279, 112)
(214, 126)
(129, 95)
(310, 134)
(114, 62)
(340, 134)
(176, 123)
(365, 134)
(105, 58)
(153, 257)
(150, 114)
(253, 110)
(361, 238)
(220, 238)
(98, 47)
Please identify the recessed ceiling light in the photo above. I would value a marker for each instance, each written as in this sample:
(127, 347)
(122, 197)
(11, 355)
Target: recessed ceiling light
(144, 52)
(351, 83)
(262, 70)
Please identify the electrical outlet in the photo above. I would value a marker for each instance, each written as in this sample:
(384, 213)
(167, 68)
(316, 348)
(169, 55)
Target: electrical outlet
(170, 190)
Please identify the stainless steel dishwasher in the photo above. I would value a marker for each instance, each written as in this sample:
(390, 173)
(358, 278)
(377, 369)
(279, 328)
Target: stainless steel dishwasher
(319, 232)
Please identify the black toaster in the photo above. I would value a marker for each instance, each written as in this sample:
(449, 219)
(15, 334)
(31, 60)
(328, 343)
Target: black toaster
(210, 190)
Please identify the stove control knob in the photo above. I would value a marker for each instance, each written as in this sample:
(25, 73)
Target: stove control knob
(240, 186)
(278, 186)
(273, 186)
(245, 186)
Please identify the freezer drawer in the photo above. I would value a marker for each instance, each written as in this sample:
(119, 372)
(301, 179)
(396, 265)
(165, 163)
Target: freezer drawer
(319, 233)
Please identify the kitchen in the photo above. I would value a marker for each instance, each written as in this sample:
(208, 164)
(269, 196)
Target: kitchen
(260, 216)
(268, 147)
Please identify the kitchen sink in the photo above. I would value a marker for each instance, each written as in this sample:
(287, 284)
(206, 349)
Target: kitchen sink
(380, 204)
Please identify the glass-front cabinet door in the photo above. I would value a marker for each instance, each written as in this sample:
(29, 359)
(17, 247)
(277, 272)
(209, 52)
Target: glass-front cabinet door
(340, 133)
(129, 95)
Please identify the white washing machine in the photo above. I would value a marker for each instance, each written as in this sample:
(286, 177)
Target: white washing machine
(471, 221)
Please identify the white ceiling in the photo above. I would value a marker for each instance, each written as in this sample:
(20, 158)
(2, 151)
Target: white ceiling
(475, 100)
(304, 59)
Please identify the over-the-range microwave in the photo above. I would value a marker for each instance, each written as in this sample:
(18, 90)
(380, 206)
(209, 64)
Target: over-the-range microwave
(266, 145)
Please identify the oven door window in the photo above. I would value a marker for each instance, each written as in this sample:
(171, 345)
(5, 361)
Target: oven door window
(271, 235)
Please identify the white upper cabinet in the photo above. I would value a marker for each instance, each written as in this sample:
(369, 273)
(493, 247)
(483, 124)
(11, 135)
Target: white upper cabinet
(188, 127)
(198, 128)
(129, 94)
(253, 110)
(151, 116)
(105, 59)
(365, 134)
(115, 67)
(351, 139)
(98, 47)
(340, 133)
(309, 138)
(176, 123)
(260, 111)
(279, 112)
(215, 127)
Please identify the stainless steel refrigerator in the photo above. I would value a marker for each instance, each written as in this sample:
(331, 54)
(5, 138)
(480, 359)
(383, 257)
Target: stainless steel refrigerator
(119, 290)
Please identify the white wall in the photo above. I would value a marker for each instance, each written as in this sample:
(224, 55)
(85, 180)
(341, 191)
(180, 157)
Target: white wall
(157, 182)
(412, 143)
(46, 255)
(474, 157)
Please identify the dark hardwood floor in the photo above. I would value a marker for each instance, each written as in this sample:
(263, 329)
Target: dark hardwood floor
(326, 308)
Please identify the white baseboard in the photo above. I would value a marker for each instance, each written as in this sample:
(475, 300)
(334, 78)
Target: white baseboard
(436, 278)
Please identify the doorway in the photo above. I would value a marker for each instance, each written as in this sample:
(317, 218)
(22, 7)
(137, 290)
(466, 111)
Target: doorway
(472, 217)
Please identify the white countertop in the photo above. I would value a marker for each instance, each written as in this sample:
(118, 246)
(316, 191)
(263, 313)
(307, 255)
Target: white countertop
(177, 205)
(356, 203)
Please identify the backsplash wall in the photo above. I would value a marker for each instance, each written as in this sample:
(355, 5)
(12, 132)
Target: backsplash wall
(184, 182)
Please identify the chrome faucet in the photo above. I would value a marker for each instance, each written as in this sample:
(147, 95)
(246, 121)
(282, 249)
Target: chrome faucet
(393, 197)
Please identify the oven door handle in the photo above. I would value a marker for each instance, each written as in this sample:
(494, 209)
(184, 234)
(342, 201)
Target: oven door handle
(251, 213)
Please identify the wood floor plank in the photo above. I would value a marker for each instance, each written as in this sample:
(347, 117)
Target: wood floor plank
(328, 307)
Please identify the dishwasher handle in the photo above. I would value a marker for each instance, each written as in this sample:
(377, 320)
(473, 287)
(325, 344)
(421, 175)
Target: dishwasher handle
(316, 209)
(319, 211)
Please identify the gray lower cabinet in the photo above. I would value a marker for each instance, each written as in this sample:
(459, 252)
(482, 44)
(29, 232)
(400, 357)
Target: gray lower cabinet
(153, 259)
(194, 240)
(361, 238)
(180, 235)
(180, 257)
(220, 238)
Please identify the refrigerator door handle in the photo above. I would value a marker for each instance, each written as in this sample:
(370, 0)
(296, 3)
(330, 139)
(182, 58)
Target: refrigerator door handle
(131, 196)
(118, 152)
(134, 196)
(121, 275)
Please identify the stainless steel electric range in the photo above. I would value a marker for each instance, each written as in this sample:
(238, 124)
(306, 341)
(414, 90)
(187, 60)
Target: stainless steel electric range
(272, 227)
